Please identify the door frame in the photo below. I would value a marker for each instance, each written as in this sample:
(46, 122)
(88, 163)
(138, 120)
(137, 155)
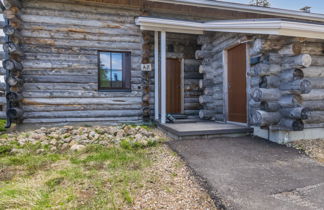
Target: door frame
(182, 96)
(225, 83)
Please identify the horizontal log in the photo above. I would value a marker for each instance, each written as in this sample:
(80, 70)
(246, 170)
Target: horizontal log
(207, 114)
(290, 101)
(272, 58)
(312, 48)
(204, 83)
(206, 99)
(297, 113)
(315, 94)
(291, 124)
(263, 119)
(255, 82)
(102, 120)
(299, 86)
(262, 69)
(270, 82)
(313, 71)
(84, 114)
(317, 83)
(270, 106)
(303, 60)
(289, 75)
(264, 45)
(291, 49)
(313, 105)
(82, 94)
(51, 108)
(318, 60)
(262, 94)
(315, 117)
(82, 101)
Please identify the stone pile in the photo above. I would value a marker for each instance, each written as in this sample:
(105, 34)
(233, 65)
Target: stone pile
(76, 138)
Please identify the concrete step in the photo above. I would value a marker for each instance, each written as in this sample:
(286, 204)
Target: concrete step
(204, 130)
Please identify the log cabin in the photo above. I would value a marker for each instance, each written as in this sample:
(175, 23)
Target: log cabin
(112, 62)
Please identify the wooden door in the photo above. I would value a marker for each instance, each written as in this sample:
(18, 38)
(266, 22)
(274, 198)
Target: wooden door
(237, 96)
(173, 91)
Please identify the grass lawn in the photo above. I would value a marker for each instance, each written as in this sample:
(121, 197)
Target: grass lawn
(98, 177)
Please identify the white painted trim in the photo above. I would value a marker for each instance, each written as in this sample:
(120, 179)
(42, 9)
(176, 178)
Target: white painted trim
(247, 8)
(248, 87)
(163, 77)
(255, 26)
(182, 85)
(156, 75)
(225, 84)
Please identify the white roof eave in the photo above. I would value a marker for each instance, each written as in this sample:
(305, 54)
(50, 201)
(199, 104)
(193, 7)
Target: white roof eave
(257, 26)
(247, 8)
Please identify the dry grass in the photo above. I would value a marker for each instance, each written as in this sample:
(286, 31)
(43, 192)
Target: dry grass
(313, 148)
(98, 177)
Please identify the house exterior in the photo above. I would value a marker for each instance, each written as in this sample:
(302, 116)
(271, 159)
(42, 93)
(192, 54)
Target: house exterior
(111, 62)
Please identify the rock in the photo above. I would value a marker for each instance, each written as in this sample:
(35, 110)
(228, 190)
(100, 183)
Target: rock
(53, 142)
(65, 146)
(138, 137)
(53, 149)
(77, 148)
(36, 136)
(40, 151)
(15, 151)
(67, 140)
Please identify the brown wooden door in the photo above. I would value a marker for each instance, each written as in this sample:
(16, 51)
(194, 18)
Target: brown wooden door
(173, 92)
(237, 96)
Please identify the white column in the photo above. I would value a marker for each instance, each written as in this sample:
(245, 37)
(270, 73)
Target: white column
(163, 77)
(156, 75)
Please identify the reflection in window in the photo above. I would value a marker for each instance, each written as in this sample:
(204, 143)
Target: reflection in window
(114, 70)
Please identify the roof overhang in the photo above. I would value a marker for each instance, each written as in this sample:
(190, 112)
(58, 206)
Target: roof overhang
(256, 26)
(283, 13)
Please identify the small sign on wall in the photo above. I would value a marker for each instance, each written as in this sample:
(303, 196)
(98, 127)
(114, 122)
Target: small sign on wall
(146, 67)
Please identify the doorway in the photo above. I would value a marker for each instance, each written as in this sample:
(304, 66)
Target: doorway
(173, 86)
(236, 84)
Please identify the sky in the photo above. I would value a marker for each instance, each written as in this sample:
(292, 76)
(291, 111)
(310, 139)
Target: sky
(317, 5)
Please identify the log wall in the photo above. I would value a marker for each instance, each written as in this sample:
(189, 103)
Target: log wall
(285, 87)
(61, 40)
(3, 101)
(288, 88)
(212, 69)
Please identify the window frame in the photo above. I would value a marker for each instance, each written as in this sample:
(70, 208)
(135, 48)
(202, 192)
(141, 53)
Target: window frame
(126, 72)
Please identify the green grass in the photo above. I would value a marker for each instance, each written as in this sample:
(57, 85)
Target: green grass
(2, 125)
(96, 178)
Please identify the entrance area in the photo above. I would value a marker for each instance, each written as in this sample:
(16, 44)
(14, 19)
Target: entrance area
(236, 74)
(173, 88)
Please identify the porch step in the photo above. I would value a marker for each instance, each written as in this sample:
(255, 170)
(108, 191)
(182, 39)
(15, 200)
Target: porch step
(204, 130)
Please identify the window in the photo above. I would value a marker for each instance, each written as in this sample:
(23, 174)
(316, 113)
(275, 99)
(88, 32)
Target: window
(114, 71)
